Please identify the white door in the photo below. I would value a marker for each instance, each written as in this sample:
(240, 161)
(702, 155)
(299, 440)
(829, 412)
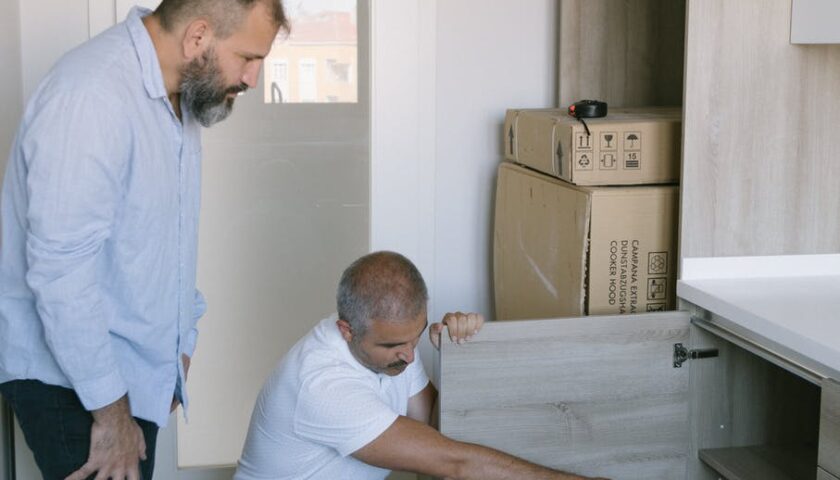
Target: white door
(285, 207)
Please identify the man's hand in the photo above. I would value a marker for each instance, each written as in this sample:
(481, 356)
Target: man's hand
(462, 326)
(175, 401)
(116, 444)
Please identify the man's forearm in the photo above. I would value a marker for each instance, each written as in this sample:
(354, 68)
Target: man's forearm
(489, 464)
(413, 446)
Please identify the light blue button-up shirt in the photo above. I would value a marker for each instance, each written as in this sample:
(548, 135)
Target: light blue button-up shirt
(99, 230)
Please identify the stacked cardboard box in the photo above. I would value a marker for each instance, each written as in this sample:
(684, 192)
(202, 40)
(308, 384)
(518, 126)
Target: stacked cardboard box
(586, 223)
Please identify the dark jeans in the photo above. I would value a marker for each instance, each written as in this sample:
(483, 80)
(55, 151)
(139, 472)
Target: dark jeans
(57, 428)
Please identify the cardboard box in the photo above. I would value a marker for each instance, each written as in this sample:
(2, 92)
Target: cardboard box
(511, 126)
(564, 250)
(630, 146)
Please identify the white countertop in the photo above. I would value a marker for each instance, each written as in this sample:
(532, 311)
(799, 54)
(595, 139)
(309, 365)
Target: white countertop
(793, 301)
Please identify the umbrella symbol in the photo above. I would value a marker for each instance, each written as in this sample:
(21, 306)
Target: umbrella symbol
(632, 137)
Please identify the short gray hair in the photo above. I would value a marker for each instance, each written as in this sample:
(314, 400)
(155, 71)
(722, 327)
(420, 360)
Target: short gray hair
(382, 286)
(224, 15)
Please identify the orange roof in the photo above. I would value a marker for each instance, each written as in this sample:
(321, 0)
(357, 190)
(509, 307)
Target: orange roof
(325, 27)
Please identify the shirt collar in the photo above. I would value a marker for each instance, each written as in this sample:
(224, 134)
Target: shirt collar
(146, 53)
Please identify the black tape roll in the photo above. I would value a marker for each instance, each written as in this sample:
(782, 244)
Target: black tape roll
(588, 109)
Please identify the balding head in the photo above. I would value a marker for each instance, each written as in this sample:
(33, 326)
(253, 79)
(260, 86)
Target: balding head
(224, 16)
(380, 286)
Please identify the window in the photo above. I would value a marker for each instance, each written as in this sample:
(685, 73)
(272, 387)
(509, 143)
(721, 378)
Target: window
(338, 72)
(279, 80)
(320, 54)
(307, 80)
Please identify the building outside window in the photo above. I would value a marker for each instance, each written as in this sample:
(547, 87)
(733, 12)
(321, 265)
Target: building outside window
(320, 55)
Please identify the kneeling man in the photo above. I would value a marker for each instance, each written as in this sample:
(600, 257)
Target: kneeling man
(349, 401)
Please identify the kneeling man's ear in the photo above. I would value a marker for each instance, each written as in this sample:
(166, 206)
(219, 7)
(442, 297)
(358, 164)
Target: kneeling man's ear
(344, 328)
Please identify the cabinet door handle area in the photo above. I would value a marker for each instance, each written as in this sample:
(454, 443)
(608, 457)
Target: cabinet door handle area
(682, 354)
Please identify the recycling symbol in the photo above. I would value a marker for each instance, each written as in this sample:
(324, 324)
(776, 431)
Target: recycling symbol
(584, 161)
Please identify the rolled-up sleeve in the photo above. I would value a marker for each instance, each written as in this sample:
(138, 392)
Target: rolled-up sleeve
(75, 169)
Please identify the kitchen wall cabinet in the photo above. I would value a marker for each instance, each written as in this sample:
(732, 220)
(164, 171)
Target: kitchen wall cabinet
(814, 21)
(759, 157)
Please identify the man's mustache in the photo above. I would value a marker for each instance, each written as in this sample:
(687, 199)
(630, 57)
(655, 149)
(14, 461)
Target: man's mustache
(237, 89)
(401, 363)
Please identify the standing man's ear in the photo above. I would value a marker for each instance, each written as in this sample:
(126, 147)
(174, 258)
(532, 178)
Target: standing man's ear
(197, 37)
(344, 328)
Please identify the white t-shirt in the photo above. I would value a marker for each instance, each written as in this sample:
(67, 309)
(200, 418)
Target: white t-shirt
(319, 406)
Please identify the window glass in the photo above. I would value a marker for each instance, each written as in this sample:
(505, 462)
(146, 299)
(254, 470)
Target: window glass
(317, 62)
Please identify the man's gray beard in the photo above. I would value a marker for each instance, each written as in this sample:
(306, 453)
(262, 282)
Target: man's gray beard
(203, 91)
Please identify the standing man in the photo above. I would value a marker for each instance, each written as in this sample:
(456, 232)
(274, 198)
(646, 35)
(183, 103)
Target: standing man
(350, 401)
(98, 304)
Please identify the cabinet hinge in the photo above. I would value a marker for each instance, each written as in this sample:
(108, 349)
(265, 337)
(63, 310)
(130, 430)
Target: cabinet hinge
(681, 354)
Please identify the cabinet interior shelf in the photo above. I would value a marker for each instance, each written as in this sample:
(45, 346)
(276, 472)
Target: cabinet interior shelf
(762, 462)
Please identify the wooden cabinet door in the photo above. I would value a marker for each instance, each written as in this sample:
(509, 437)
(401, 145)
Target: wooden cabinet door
(830, 427)
(597, 396)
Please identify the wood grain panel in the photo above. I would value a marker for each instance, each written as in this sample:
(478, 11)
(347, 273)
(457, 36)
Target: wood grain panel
(830, 427)
(760, 154)
(823, 475)
(593, 395)
(627, 53)
(761, 463)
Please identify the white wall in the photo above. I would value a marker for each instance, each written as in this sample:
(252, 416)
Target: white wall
(48, 28)
(11, 95)
(443, 75)
(490, 56)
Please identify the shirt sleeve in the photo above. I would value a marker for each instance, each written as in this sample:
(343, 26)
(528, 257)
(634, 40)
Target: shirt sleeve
(419, 379)
(75, 164)
(199, 309)
(341, 412)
